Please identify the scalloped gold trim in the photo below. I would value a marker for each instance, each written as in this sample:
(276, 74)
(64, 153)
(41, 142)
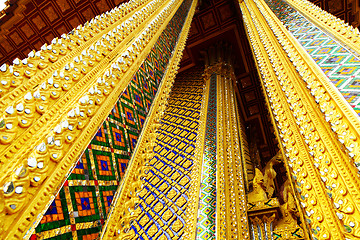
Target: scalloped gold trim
(143, 151)
(195, 175)
(315, 158)
(346, 34)
(55, 172)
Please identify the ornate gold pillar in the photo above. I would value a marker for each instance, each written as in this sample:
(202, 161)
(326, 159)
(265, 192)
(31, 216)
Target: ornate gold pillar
(317, 128)
(179, 182)
(232, 220)
(231, 204)
(54, 101)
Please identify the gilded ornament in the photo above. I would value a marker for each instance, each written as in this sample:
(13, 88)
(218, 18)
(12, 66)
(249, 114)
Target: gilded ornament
(72, 62)
(306, 124)
(258, 193)
(149, 133)
(270, 174)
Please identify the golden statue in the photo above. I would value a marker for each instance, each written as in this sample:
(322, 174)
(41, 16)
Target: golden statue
(270, 174)
(258, 193)
(287, 226)
(288, 209)
(54, 102)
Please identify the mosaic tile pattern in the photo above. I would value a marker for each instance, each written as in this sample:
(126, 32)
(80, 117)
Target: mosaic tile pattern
(206, 226)
(80, 209)
(339, 65)
(164, 196)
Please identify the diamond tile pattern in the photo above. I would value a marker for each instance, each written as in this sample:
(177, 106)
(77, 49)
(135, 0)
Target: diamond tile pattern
(81, 207)
(163, 199)
(339, 65)
(206, 226)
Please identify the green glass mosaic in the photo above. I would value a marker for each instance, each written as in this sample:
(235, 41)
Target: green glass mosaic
(206, 226)
(339, 65)
(80, 208)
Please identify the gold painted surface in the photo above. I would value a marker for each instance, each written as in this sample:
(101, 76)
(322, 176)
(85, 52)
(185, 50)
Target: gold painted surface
(126, 200)
(287, 226)
(195, 175)
(270, 173)
(52, 86)
(263, 204)
(222, 223)
(25, 74)
(261, 225)
(342, 188)
(266, 214)
(255, 45)
(308, 119)
(336, 110)
(180, 122)
(248, 168)
(232, 221)
(258, 194)
(346, 34)
(31, 172)
(262, 61)
(162, 197)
